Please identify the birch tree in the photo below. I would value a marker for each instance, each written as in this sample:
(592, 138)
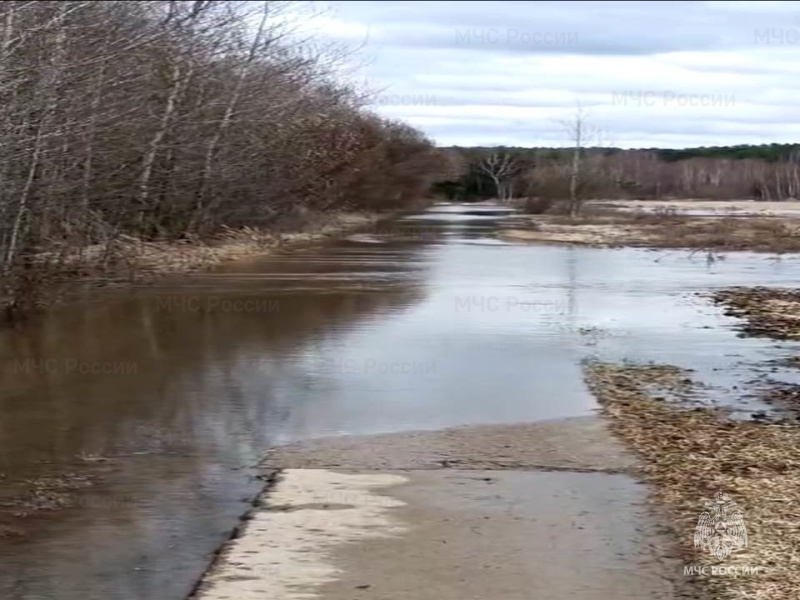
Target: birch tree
(580, 132)
(158, 119)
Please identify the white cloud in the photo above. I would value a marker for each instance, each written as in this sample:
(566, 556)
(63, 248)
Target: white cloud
(650, 73)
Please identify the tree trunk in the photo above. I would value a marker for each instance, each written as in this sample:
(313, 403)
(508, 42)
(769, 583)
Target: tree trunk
(233, 100)
(177, 84)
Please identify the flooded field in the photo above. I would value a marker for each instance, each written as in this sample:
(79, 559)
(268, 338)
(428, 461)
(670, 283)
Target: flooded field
(132, 421)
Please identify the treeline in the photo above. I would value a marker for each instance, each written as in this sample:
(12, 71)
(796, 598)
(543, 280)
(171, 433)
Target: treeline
(765, 152)
(161, 119)
(767, 172)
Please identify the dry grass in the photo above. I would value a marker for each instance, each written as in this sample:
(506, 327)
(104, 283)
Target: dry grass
(723, 234)
(139, 258)
(766, 312)
(27, 293)
(772, 313)
(690, 454)
(665, 229)
(720, 207)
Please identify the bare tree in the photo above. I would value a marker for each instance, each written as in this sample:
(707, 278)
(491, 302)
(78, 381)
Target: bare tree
(580, 132)
(161, 118)
(225, 121)
(501, 167)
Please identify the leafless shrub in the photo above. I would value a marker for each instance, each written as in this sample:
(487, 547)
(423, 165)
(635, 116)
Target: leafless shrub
(538, 206)
(163, 120)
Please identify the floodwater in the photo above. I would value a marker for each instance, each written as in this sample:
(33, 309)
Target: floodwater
(142, 412)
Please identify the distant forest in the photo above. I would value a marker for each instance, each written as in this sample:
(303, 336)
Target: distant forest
(760, 172)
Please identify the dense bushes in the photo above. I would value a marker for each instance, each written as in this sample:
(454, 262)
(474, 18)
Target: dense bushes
(158, 119)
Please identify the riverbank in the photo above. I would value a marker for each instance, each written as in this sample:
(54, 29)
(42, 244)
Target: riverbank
(136, 261)
(472, 512)
(739, 208)
(772, 313)
(691, 454)
(131, 260)
(729, 227)
(153, 259)
(765, 312)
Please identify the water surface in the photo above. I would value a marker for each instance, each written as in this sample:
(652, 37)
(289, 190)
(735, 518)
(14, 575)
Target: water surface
(167, 396)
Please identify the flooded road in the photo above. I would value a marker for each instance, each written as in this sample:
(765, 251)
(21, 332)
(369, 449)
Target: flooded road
(141, 413)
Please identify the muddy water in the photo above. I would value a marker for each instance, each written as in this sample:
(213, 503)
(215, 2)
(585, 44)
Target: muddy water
(139, 414)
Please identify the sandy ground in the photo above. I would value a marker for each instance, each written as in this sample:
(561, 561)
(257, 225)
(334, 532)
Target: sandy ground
(545, 511)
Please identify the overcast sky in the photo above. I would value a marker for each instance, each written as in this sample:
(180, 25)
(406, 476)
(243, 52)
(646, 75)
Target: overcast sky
(668, 74)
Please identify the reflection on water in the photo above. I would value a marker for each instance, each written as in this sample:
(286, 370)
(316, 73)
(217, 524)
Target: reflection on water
(169, 395)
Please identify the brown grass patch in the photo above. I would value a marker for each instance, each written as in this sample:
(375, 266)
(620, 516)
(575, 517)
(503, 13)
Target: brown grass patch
(765, 312)
(126, 259)
(601, 226)
(155, 258)
(690, 454)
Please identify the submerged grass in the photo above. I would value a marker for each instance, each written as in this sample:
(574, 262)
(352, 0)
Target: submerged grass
(28, 498)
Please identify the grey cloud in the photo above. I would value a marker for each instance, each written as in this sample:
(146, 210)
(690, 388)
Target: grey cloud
(467, 71)
(636, 134)
(577, 27)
